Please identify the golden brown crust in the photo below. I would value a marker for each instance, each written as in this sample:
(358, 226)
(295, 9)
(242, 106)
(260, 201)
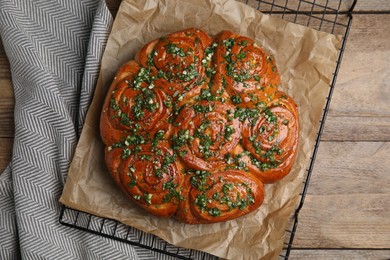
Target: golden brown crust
(219, 196)
(176, 55)
(207, 144)
(194, 127)
(242, 66)
(148, 178)
(273, 139)
(108, 132)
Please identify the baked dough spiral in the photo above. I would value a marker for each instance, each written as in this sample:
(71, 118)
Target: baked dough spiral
(211, 135)
(219, 196)
(243, 67)
(195, 127)
(272, 139)
(149, 175)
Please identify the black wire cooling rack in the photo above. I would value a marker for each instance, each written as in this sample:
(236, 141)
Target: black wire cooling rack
(332, 16)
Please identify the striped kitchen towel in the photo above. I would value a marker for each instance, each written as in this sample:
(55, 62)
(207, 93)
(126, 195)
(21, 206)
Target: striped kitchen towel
(54, 48)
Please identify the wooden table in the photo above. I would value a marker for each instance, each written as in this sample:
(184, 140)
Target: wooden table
(346, 214)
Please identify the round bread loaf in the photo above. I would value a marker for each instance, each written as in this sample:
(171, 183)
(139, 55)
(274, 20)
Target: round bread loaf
(194, 127)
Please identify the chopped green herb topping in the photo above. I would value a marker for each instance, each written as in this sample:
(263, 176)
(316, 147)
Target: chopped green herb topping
(271, 118)
(210, 72)
(126, 153)
(242, 76)
(229, 130)
(215, 212)
(148, 198)
(201, 201)
(150, 61)
(199, 180)
(142, 76)
(180, 139)
(236, 99)
(157, 137)
(223, 197)
(256, 144)
(206, 94)
(144, 100)
(168, 159)
(243, 42)
(247, 113)
(188, 74)
(132, 183)
(228, 42)
(205, 141)
(203, 108)
(241, 55)
(134, 139)
(263, 166)
(168, 102)
(124, 119)
(235, 162)
(173, 192)
(175, 50)
(114, 104)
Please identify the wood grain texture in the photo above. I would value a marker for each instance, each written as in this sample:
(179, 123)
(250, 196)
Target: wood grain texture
(6, 96)
(339, 254)
(345, 168)
(347, 205)
(360, 109)
(5, 73)
(320, 5)
(5, 152)
(365, 76)
(372, 5)
(344, 221)
(6, 117)
(6, 111)
(348, 201)
(357, 128)
(296, 5)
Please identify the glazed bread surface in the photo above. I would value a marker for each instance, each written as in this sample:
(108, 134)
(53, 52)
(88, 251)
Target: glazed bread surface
(194, 126)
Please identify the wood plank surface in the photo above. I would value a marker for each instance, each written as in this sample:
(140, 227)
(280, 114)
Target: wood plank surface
(5, 74)
(360, 109)
(356, 128)
(362, 5)
(6, 111)
(373, 5)
(346, 214)
(5, 152)
(6, 97)
(6, 118)
(297, 254)
(344, 221)
(345, 168)
(348, 201)
(363, 86)
(320, 5)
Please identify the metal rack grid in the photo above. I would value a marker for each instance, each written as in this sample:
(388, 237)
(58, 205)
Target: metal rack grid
(332, 16)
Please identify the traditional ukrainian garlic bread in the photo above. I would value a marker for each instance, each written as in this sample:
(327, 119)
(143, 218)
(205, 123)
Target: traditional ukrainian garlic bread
(194, 127)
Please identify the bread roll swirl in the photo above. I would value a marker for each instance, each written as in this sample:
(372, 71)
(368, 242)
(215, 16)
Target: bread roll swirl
(205, 134)
(219, 196)
(149, 175)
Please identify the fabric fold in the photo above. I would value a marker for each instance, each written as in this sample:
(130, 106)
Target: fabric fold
(54, 49)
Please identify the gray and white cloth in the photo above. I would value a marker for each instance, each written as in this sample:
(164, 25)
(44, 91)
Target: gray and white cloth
(54, 48)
